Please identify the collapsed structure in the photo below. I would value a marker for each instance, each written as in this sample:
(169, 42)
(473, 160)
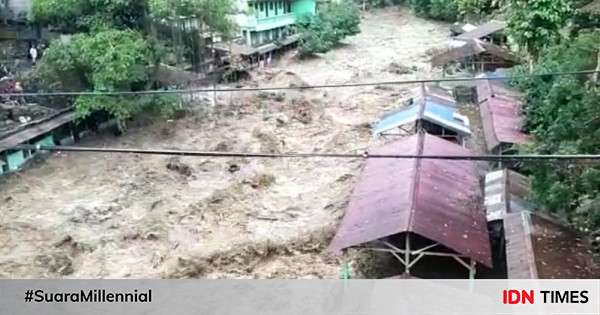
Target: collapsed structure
(481, 49)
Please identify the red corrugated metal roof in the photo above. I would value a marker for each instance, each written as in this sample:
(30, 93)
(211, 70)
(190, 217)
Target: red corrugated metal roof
(437, 199)
(501, 116)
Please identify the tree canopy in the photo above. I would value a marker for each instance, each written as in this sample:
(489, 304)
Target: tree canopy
(563, 115)
(85, 15)
(112, 48)
(534, 25)
(110, 60)
(321, 32)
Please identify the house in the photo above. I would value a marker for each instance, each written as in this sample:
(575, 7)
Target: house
(483, 48)
(267, 26)
(476, 55)
(531, 245)
(429, 113)
(501, 116)
(426, 213)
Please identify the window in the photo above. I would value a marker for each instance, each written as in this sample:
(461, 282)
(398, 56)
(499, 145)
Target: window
(271, 6)
(288, 7)
(262, 6)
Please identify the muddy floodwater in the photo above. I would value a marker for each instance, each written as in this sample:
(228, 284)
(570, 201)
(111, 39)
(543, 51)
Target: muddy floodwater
(88, 215)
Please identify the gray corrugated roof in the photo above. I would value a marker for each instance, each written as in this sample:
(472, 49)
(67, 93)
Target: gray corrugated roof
(483, 30)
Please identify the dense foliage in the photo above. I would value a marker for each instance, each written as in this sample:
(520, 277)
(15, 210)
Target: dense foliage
(110, 60)
(87, 15)
(564, 116)
(445, 10)
(321, 32)
(212, 13)
(114, 49)
(535, 24)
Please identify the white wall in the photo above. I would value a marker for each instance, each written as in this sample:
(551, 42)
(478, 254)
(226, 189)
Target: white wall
(19, 7)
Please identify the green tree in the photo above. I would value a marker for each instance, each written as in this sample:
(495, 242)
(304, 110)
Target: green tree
(213, 14)
(563, 115)
(534, 24)
(86, 15)
(321, 32)
(445, 10)
(108, 61)
(476, 9)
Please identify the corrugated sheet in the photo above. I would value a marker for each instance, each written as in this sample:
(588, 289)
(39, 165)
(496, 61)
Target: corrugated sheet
(483, 30)
(473, 48)
(501, 116)
(35, 131)
(430, 108)
(506, 192)
(437, 199)
(541, 247)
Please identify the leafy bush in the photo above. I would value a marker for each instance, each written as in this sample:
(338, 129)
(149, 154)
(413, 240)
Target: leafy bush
(86, 15)
(445, 10)
(110, 60)
(562, 113)
(321, 32)
(213, 13)
(536, 24)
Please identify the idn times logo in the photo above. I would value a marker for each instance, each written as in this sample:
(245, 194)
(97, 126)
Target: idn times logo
(545, 297)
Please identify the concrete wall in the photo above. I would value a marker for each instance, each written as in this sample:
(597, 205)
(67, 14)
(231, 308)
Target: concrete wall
(301, 7)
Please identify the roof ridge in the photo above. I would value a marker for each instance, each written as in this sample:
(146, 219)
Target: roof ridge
(414, 190)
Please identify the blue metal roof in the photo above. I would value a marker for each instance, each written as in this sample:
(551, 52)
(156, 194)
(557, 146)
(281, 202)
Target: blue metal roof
(433, 112)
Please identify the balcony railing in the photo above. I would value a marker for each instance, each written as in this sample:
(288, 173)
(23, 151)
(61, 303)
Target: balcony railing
(269, 22)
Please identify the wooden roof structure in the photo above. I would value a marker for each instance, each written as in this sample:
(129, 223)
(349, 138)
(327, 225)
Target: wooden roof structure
(472, 48)
(35, 129)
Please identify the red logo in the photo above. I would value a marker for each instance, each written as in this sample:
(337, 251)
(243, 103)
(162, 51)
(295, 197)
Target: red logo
(518, 297)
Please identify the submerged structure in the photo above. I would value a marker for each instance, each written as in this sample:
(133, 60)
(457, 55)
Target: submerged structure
(266, 26)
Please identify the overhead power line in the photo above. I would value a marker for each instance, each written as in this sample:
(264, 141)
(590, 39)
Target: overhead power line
(322, 86)
(365, 155)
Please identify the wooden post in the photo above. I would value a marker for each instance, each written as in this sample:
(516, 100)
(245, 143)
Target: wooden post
(407, 254)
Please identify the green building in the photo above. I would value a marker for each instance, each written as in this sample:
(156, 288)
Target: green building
(264, 21)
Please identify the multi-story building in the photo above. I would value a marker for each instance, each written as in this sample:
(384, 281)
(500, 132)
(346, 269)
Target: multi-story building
(264, 21)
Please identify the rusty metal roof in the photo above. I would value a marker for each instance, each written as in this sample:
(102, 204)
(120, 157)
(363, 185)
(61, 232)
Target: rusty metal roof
(539, 247)
(437, 199)
(471, 48)
(500, 109)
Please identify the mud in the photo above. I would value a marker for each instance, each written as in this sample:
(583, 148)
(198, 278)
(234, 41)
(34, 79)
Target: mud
(85, 215)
